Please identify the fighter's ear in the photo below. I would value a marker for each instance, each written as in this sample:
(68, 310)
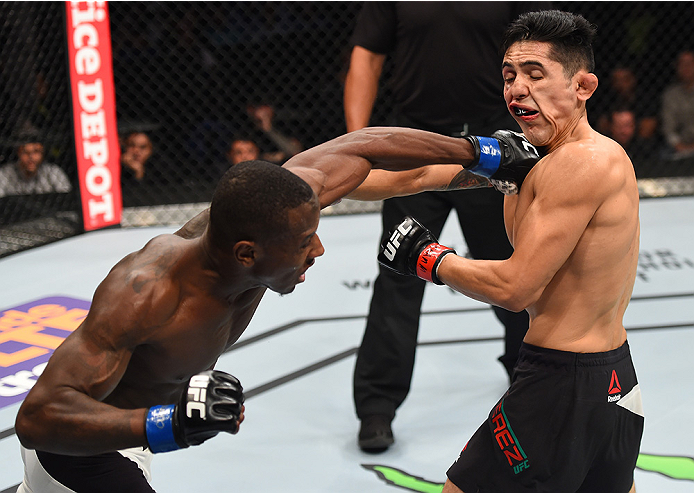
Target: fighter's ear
(245, 253)
(586, 84)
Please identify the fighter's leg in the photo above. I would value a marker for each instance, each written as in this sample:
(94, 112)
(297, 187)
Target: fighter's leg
(449, 487)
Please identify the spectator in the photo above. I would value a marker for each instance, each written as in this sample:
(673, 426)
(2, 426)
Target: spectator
(242, 148)
(252, 145)
(623, 92)
(30, 174)
(622, 127)
(263, 116)
(641, 151)
(143, 182)
(445, 80)
(137, 149)
(677, 112)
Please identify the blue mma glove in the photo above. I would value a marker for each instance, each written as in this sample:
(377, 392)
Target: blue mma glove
(212, 402)
(505, 158)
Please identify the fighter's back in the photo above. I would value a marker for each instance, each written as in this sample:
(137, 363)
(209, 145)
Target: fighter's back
(163, 303)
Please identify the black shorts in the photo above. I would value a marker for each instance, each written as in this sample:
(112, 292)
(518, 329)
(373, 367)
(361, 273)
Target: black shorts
(104, 473)
(568, 423)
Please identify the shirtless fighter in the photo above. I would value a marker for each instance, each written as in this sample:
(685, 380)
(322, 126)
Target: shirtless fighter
(127, 382)
(572, 419)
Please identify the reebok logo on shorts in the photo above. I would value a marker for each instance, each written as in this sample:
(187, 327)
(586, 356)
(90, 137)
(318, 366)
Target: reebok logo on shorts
(614, 391)
(507, 440)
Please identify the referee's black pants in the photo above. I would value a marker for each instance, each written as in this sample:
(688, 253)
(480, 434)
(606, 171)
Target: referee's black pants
(386, 357)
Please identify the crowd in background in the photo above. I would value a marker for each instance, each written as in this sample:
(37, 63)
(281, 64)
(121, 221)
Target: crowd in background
(291, 60)
(193, 78)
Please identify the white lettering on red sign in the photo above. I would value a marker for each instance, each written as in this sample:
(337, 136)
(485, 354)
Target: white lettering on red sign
(94, 111)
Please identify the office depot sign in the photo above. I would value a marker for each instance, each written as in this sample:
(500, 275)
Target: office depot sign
(94, 113)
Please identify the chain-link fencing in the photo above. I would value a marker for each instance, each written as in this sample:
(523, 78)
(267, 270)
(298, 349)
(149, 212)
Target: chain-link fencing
(198, 83)
(38, 193)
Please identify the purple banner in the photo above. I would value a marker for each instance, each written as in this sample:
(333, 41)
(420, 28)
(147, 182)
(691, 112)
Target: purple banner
(29, 334)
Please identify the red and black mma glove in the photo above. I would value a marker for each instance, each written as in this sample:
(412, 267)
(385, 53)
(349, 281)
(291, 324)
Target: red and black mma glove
(505, 158)
(212, 402)
(411, 249)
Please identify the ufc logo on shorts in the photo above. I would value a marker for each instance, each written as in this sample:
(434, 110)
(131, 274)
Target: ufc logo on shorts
(394, 241)
(197, 394)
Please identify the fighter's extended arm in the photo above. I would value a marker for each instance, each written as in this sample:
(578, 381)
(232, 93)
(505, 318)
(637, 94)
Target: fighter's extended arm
(336, 168)
(382, 184)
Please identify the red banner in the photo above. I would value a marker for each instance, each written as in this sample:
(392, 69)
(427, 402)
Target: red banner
(94, 112)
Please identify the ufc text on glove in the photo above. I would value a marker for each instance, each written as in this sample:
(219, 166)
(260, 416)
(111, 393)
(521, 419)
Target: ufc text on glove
(505, 158)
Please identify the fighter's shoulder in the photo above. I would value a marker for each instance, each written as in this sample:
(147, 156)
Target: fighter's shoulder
(142, 287)
(592, 159)
(157, 255)
(156, 263)
(195, 227)
(596, 146)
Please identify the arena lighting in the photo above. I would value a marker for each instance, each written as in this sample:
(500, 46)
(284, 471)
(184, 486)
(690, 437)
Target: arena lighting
(94, 113)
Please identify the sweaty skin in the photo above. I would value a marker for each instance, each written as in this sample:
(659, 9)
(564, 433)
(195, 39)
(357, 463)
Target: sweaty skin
(167, 311)
(385, 162)
(574, 225)
(163, 314)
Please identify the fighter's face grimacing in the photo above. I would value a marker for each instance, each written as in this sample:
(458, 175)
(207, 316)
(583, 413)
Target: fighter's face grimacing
(290, 257)
(546, 103)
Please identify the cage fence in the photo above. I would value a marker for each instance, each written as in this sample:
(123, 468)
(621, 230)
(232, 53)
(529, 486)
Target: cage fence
(193, 79)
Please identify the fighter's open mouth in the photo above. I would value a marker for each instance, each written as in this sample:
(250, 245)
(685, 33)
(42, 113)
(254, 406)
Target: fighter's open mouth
(522, 112)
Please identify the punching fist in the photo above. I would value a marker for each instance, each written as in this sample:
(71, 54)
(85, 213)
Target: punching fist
(212, 402)
(505, 158)
(411, 249)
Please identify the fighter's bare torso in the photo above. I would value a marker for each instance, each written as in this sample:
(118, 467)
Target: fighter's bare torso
(594, 186)
(173, 313)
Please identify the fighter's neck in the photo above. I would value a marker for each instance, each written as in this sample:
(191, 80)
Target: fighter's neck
(228, 279)
(576, 130)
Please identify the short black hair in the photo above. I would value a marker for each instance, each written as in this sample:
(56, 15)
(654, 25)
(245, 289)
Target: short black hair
(136, 132)
(24, 137)
(246, 137)
(252, 200)
(570, 36)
